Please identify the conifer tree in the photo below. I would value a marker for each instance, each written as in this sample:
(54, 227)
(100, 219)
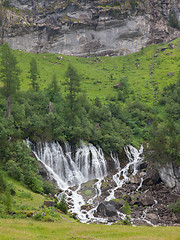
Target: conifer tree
(34, 74)
(73, 89)
(9, 75)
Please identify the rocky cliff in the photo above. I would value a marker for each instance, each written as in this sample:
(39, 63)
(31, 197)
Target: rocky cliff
(83, 27)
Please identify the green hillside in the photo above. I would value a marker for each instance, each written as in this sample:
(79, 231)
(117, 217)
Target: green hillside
(147, 71)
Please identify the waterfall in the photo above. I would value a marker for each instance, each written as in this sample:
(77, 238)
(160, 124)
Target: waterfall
(75, 168)
(88, 162)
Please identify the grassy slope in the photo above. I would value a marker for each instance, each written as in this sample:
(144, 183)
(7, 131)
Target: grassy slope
(100, 74)
(26, 203)
(25, 229)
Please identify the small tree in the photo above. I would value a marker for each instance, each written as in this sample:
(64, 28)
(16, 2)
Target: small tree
(9, 75)
(53, 90)
(127, 212)
(62, 204)
(34, 74)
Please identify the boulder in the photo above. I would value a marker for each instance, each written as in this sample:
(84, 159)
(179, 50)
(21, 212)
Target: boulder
(170, 175)
(146, 198)
(152, 177)
(49, 203)
(106, 209)
(117, 203)
(135, 179)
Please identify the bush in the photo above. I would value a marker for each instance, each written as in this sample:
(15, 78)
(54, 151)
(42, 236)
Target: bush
(13, 169)
(48, 187)
(127, 212)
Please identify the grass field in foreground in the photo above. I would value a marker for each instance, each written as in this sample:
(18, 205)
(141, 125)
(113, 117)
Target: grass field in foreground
(24, 229)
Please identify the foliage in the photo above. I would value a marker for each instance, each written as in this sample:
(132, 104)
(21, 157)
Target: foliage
(2, 183)
(175, 207)
(8, 201)
(173, 20)
(166, 132)
(34, 74)
(127, 212)
(62, 205)
(9, 71)
(9, 75)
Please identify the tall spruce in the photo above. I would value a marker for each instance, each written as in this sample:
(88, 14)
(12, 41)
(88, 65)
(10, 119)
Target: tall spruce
(73, 89)
(9, 75)
(34, 74)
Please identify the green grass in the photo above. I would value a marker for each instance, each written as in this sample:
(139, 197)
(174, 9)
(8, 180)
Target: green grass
(25, 229)
(25, 204)
(99, 75)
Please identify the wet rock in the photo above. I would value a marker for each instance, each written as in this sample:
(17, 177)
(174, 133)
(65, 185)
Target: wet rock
(106, 209)
(152, 177)
(112, 219)
(134, 199)
(146, 198)
(86, 207)
(135, 179)
(152, 216)
(117, 203)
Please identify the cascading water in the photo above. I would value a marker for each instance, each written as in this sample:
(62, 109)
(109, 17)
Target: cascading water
(86, 164)
(89, 162)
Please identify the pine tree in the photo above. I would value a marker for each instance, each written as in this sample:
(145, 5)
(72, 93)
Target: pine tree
(9, 75)
(73, 88)
(63, 205)
(34, 74)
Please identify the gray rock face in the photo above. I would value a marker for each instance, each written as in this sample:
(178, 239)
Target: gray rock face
(170, 174)
(87, 27)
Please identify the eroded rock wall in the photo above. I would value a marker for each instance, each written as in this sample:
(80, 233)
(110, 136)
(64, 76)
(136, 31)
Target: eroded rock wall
(82, 27)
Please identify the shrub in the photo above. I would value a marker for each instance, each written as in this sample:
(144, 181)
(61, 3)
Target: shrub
(48, 187)
(127, 212)
(13, 169)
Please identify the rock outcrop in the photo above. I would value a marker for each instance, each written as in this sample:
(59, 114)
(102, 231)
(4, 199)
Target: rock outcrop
(85, 27)
(170, 174)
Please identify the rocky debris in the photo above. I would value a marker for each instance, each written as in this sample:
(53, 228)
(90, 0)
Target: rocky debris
(49, 203)
(106, 209)
(152, 177)
(83, 28)
(117, 203)
(146, 198)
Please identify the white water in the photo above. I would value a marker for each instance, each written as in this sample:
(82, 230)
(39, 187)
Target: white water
(122, 176)
(87, 163)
